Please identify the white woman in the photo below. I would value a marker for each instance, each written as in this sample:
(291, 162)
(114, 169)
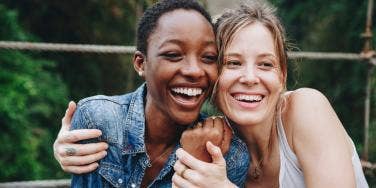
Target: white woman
(294, 138)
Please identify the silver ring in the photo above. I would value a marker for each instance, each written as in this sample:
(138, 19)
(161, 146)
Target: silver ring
(70, 151)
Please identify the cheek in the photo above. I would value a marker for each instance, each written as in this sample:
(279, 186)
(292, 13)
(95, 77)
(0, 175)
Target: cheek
(212, 72)
(224, 81)
(223, 87)
(274, 81)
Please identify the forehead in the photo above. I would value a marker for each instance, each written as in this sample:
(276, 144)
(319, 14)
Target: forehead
(181, 24)
(252, 39)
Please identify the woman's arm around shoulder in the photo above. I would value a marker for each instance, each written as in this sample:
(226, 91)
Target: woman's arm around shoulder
(318, 139)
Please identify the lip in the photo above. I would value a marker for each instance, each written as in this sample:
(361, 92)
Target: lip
(192, 102)
(247, 105)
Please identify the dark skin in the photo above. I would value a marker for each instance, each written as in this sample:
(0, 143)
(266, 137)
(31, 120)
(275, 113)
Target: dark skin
(213, 129)
(181, 53)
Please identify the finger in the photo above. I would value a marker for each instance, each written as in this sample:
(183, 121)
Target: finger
(82, 160)
(190, 161)
(179, 167)
(218, 124)
(83, 149)
(180, 181)
(78, 135)
(198, 125)
(192, 176)
(215, 153)
(208, 123)
(81, 169)
(66, 121)
(227, 136)
(174, 185)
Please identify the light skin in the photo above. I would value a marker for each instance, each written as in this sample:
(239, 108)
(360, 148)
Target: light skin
(181, 55)
(86, 155)
(315, 134)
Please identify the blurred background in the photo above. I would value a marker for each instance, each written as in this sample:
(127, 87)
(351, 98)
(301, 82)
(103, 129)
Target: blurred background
(35, 87)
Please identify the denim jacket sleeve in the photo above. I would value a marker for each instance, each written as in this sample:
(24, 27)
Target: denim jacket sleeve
(80, 121)
(100, 113)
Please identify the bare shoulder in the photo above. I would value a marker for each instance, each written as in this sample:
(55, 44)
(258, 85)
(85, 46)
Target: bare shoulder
(317, 134)
(306, 98)
(308, 114)
(311, 119)
(306, 105)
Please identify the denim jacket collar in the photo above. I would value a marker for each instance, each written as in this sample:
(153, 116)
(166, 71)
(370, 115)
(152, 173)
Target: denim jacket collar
(136, 123)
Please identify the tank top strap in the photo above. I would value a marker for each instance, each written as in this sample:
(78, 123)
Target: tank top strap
(286, 153)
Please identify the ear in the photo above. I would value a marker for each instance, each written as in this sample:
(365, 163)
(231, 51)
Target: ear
(139, 61)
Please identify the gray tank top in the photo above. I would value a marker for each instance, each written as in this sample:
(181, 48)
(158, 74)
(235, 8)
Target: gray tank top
(290, 173)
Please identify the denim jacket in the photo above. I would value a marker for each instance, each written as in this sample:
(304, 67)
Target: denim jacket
(122, 122)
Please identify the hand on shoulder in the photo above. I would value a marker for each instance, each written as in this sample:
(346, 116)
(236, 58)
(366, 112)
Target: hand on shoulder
(73, 157)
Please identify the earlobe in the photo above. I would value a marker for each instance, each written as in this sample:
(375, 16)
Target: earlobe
(139, 63)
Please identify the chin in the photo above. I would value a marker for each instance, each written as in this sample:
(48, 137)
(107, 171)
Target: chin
(245, 119)
(185, 119)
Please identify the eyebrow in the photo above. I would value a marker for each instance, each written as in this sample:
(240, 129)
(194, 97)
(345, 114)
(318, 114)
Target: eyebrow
(232, 55)
(171, 41)
(180, 43)
(239, 55)
(268, 55)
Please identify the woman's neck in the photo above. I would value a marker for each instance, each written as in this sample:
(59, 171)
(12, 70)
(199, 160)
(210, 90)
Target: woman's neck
(159, 128)
(259, 138)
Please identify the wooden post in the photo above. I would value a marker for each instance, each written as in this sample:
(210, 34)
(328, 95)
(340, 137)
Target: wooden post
(367, 105)
(367, 35)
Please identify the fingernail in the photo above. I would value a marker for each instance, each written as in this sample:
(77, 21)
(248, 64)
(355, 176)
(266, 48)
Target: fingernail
(179, 153)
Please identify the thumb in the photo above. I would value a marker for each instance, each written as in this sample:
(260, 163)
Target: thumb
(66, 121)
(215, 153)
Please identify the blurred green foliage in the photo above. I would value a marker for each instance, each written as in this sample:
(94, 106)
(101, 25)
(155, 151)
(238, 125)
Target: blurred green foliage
(34, 87)
(31, 97)
(335, 26)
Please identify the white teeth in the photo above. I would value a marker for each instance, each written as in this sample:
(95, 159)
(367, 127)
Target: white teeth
(188, 91)
(252, 98)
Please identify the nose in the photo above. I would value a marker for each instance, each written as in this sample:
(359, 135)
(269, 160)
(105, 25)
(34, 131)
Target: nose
(249, 76)
(192, 68)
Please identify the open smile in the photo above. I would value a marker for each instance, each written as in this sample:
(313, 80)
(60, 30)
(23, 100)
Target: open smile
(248, 100)
(188, 97)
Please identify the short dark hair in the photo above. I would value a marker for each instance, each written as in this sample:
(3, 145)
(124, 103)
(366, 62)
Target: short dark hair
(148, 21)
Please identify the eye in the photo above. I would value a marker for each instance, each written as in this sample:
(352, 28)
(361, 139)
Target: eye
(232, 63)
(209, 59)
(266, 65)
(172, 56)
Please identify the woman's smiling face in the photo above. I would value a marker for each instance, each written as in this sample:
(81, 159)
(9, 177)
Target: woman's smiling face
(250, 82)
(180, 67)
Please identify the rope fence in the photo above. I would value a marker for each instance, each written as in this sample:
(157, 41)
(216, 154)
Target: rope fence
(62, 47)
(63, 183)
(113, 49)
